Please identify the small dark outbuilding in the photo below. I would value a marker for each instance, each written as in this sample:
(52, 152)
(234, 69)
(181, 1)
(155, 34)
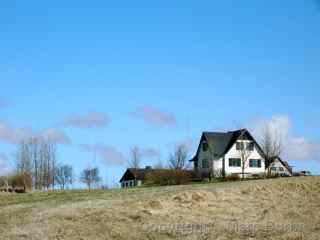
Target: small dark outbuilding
(134, 177)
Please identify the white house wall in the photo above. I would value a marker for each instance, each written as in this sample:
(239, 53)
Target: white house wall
(277, 164)
(234, 153)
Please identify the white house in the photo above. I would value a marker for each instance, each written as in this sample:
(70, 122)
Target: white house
(280, 167)
(223, 153)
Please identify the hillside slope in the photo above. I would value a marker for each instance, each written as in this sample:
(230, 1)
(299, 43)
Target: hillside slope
(262, 209)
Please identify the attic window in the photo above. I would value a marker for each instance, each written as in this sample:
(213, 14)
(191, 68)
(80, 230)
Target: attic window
(239, 145)
(250, 146)
(205, 146)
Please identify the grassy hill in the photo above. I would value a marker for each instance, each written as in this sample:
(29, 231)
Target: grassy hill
(286, 208)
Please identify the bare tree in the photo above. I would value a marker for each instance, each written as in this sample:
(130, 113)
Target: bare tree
(244, 152)
(36, 157)
(271, 144)
(23, 161)
(64, 175)
(178, 160)
(90, 176)
(135, 158)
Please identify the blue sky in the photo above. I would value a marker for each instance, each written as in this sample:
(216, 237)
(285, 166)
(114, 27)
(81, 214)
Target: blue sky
(109, 75)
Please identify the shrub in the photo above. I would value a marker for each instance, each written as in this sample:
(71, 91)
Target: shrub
(232, 177)
(164, 177)
(258, 175)
(273, 175)
(20, 181)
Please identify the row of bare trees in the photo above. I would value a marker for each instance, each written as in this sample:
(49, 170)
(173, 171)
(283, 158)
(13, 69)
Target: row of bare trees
(36, 162)
(37, 157)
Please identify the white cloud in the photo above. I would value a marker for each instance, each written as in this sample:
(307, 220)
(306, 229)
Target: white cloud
(155, 116)
(90, 120)
(13, 135)
(108, 154)
(295, 147)
(301, 148)
(55, 135)
(148, 153)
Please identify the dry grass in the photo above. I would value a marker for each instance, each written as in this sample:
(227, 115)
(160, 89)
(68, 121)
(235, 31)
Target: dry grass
(287, 209)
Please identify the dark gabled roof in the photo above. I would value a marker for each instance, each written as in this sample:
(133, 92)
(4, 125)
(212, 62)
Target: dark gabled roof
(221, 142)
(135, 174)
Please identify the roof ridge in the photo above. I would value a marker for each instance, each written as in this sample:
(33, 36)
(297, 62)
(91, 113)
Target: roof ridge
(233, 131)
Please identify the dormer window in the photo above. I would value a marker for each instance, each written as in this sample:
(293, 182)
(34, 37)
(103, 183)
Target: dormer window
(205, 146)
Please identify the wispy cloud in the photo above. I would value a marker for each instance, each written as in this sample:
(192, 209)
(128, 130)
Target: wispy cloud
(187, 143)
(295, 147)
(3, 103)
(148, 153)
(13, 135)
(154, 116)
(55, 135)
(90, 120)
(108, 155)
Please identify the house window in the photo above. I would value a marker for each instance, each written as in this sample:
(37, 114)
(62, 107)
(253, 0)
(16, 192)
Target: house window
(205, 163)
(234, 162)
(281, 169)
(205, 146)
(273, 169)
(239, 145)
(250, 146)
(255, 163)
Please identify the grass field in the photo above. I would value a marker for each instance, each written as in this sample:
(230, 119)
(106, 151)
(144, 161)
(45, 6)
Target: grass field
(287, 208)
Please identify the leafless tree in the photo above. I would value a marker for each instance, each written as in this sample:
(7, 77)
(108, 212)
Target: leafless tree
(90, 176)
(36, 157)
(244, 153)
(178, 160)
(271, 144)
(135, 158)
(64, 175)
(24, 160)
